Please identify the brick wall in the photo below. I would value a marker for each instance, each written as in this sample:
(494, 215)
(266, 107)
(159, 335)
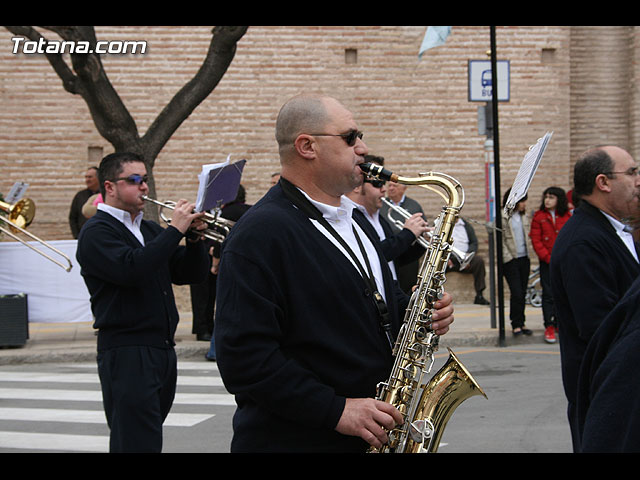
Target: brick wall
(580, 84)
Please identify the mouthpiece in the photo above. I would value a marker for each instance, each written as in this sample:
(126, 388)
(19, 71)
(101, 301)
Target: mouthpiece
(378, 172)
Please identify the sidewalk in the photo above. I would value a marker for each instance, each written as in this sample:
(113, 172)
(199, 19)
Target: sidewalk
(76, 342)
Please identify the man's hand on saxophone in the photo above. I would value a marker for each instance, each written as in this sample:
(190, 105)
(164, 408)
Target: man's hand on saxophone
(443, 314)
(368, 419)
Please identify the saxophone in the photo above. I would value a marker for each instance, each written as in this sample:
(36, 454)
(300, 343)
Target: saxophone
(426, 407)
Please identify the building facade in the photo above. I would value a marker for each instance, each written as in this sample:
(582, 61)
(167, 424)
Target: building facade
(579, 82)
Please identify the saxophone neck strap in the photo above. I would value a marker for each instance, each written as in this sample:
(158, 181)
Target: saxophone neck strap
(299, 200)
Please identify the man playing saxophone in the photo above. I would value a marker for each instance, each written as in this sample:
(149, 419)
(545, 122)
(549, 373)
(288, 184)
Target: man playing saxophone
(306, 302)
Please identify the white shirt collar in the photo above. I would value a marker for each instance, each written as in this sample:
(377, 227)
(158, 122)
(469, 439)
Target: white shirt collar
(353, 205)
(617, 224)
(122, 215)
(331, 213)
(125, 218)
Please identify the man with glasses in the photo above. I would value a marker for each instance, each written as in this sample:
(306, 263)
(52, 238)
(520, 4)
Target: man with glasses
(594, 259)
(129, 265)
(306, 304)
(399, 246)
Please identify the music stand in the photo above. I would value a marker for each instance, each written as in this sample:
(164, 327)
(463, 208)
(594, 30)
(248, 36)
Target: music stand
(525, 174)
(219, 184)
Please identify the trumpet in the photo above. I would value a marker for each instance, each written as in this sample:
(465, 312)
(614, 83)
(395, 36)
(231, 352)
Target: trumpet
(218, 227)
(20, 216)
(463, 258)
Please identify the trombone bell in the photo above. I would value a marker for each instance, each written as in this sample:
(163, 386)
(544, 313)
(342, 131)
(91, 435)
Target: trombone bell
(19, 216)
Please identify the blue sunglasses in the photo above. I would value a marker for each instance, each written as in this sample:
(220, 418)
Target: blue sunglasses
(134, 179)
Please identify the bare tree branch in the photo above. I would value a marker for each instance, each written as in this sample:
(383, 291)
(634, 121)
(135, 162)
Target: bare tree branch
(86, 77)
(222, 49)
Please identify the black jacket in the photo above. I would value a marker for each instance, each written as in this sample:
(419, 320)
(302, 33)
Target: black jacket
(130, 285)
(296, 331)
(608, 394)
(591, 269)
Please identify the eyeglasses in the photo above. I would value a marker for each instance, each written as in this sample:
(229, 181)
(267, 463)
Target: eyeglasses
(375, 183)
(349, 137)
(134, 179)
(632, 172)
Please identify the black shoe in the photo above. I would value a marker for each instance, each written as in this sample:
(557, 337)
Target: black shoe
(211, 359)
(203, 337)
(480, 300)
(522, 331)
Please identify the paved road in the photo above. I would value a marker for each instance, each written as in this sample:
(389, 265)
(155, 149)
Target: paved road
(57, 407)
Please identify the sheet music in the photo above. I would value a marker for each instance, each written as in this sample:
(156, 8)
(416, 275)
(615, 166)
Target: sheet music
(17, 192)
(218, 184)
(525, 174)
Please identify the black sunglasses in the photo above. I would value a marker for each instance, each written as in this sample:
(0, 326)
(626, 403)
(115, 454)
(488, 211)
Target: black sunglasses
(134, 179)
(375, 183)
(349, 137)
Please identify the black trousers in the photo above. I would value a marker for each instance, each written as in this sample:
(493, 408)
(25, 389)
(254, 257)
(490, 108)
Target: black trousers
(203, 299)
(476, 268)
(138, 388)
(548, 308)
(516, 272)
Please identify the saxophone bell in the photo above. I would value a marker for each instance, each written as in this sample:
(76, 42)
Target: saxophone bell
(425, 406)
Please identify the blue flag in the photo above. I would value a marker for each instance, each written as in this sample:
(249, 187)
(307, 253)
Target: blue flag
(434, 37)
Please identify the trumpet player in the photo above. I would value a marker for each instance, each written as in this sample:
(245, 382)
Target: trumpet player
(128, 265)
(399, 247)
(301, 331)
(397, 194)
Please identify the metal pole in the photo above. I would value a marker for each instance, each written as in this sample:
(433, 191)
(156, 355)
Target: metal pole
(490, 222)
(496, 160)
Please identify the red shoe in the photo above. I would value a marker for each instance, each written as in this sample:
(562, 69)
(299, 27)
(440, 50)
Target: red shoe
(550, 334)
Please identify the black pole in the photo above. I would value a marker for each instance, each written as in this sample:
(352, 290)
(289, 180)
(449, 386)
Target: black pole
(498, 197)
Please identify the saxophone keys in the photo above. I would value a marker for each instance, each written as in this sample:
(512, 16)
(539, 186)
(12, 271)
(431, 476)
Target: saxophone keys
(421, 431)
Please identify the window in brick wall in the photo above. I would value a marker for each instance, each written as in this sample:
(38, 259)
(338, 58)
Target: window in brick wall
(350, 56)
(548, 55)
(94, 154)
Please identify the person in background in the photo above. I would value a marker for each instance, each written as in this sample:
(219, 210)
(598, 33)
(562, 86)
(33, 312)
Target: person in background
(545, 225)
(90, 207)
(399, 247)
(76, 218)
(397, 194)
(516, 262)
(230, 211)
(465, 240)
(594, 260)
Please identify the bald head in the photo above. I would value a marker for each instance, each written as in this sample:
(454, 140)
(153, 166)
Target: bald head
(304, 113)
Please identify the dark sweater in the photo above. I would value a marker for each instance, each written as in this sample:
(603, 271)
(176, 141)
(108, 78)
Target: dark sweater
(608, 396)
(130, 285)
(296, 331)
(591, 269)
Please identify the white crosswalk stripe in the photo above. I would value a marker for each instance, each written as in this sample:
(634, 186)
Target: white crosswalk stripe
(63, 398)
